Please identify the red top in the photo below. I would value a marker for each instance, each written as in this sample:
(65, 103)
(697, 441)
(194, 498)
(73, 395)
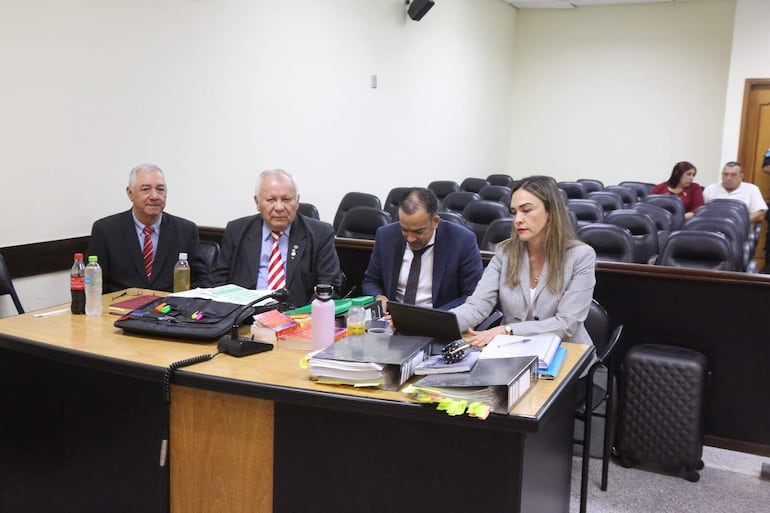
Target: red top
(692, 197)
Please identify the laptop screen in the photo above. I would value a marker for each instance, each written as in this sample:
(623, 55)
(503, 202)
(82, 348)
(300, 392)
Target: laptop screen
(424, 322)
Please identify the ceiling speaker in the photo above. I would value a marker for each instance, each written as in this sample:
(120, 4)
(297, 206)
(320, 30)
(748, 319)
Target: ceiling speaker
(418, 8)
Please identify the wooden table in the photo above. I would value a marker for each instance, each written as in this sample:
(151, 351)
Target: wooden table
(84, 423)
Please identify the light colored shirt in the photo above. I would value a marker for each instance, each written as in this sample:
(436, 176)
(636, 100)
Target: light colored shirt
(267, 248)
(139, 226)
(746, 192)
(425, 285)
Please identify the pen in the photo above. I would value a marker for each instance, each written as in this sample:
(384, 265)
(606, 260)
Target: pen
(53, 312)
(522, 341)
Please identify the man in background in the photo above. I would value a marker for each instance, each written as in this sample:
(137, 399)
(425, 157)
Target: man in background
(732, 186)
(278, 248)
(139, 247)
(423, 260)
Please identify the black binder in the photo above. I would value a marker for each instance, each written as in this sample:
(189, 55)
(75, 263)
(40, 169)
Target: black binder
(499, 382)
(397, 354)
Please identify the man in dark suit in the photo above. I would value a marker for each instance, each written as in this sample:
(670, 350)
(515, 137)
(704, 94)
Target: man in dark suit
(278, 247)
(139, 247)
(450, 261)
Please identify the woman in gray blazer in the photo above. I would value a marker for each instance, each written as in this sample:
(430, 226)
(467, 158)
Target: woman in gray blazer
(542, 278)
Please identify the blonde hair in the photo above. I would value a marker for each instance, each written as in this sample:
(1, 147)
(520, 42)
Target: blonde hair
(559, 234)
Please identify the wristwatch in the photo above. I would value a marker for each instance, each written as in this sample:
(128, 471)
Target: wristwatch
(508, 329)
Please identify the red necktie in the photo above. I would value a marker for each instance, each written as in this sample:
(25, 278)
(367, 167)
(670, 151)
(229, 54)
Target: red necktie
(147, 251)
(276, 277)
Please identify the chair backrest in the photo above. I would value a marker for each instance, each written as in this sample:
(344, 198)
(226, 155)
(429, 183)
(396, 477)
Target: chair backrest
(672, 204)
(6, 285)
(452, 217)
(480, 214)
(643, 231)
(308, 210)
(457, 201)
(697, 249)
(355, 199)
(660, 216)
(472, 184)
(611, 243)
(735, 209)
(591, 184)
(605, 339)
(500, 179)
(627, 194)
(574, 190)
(443, 187)
(498, 230)
(362, 223)
(499, 193)
(727, 226)
(208, 251)
(393, 200)
(608, 200)
(642, 189)
(586, 211)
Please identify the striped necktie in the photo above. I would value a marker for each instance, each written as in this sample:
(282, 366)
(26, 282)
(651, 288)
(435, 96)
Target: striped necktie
(276, 274)
(147, 250)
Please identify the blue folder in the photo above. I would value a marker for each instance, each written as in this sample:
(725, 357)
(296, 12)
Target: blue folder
(553, 370)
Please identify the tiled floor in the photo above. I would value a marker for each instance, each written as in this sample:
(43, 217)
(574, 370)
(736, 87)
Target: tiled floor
(729, 483)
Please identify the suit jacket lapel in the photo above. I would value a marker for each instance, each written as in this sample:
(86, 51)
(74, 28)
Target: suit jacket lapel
(296, 250)
(441, 251)
(252, 243)
(128, 231)
(165, 236)
(397, 261)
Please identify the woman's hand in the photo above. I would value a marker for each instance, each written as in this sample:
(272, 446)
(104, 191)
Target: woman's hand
(482, 338)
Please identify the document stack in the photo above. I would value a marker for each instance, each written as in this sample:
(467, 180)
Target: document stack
(543, 346)
(369, 360)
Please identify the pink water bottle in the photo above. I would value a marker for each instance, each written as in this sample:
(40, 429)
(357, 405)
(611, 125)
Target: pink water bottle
(322, 317)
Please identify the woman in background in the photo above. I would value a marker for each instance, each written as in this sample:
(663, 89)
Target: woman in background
(542, 277)
(681, 185)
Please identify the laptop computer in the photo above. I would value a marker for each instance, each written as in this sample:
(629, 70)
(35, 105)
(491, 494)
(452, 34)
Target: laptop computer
(422, 321)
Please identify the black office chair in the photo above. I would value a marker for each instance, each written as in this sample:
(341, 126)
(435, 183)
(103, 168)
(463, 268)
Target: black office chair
(500, 179)
(627, 194)
(642, 189)
(499, 193)
(392, 202)
(498, 230)
(472, 184)
(591, 394)
(591, 184)
(480, 214)
(574, 190)
(736, 210)
(672, 204)
(586, 211)
(209, 250)
(660, 216)
(6, 285)
(443, 187)
(611, 243)
(452, 217)
(643, 232)
(457, 201)
(308, 210)
(354, 199)
(362, 223)
(697, 249)
(726, 225)
(608, 200)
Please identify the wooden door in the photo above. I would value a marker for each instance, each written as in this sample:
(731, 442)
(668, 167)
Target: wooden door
(754, 142)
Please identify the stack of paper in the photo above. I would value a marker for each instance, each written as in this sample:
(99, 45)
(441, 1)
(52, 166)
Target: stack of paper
(543, 346)
(229, 294)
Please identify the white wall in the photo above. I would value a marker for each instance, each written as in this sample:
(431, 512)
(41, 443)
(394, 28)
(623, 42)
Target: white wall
(620, 92)
(749, 59)
(215, 91)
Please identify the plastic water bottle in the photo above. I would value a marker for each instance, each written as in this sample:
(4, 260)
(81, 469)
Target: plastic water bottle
(78, 285)
(357, 316)
(182, 274)
(93, 284)
(322, 317)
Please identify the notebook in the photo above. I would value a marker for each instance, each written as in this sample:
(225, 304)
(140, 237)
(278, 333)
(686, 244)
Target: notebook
(422, 321)
(543, 346)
